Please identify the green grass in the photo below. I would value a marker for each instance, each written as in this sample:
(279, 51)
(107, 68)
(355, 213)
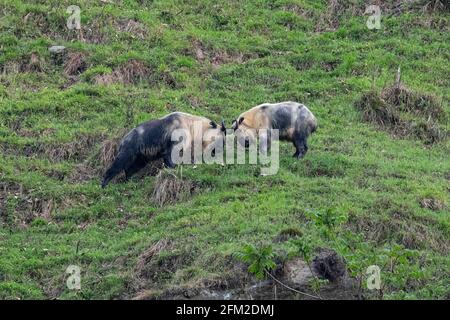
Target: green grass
(51, 125)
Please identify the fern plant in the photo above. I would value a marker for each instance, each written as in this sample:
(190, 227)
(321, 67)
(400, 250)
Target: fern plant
(259, 259)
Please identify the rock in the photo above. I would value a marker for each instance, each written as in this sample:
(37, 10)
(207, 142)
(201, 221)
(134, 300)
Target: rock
(297, 272)
(57, 49)
(327, 264)
(58, 54)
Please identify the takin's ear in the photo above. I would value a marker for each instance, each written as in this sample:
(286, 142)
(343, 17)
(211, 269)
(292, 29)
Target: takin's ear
(213, 124)
(241, 119)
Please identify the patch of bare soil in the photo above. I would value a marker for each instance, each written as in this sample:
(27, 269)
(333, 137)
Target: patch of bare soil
(327, 264)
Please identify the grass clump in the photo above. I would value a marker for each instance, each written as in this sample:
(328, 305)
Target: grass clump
(405, 113)
(169, 189)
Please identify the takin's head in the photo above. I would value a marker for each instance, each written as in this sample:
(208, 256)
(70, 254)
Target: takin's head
(245, 134)
(214, 134)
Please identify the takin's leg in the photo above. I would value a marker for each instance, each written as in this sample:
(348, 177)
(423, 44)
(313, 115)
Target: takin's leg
(122, 161)
(167, 154)
(135, 166)
(168, 160)
(301, 146)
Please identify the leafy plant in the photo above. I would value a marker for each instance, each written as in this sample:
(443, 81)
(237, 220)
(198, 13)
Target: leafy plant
(259, 259)
(303, 248)
(329, 220)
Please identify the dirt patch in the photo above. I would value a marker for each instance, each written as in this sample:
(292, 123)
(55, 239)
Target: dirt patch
(329, 265)
(405, 113)
(170, 189)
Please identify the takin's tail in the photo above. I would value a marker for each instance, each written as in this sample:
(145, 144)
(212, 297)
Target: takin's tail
(124, 158)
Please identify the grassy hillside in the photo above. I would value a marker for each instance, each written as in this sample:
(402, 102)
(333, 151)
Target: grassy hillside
(386, 193)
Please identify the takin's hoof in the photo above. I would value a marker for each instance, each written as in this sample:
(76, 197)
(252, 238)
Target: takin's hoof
(298, 156)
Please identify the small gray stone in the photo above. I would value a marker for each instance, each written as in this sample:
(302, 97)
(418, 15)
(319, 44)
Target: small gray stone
(57, 49)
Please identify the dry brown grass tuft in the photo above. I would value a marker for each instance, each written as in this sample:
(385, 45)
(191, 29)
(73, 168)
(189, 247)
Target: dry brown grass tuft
(35, 64)
(158, 264)
(83, 172)
(151, 252)
(75, 63)
(134, 71)
(216, 57)
(31, 63)
(131, 72)
(135, 28)
(376, 110)
(329, 21)
(404, 113)
(411, 231)
(170, 189)
(287, 234)
(337, 9)
(432, 204)
(25, 208)
(109, 150)
(435, 5)
(417, 103)
(74, 150)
